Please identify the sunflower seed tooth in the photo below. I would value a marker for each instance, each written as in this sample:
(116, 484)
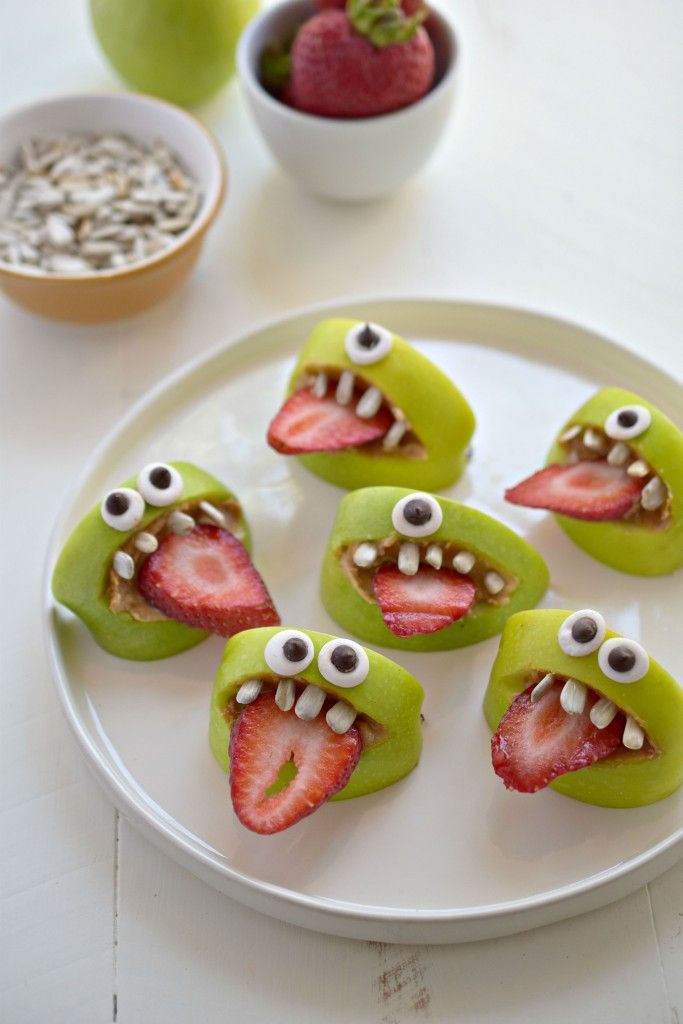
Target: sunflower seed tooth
(542, 687)
(249, 691)
(618, 454)
(603, 712)
(341, 717)
(494, 582)
(58, 231)
(394, 435)
(124, 566)
(570, 434)
(345, 386)
(364, 555)
(464, 562)
(212, 512)
(633, 736)
(92, 198)
(653, 494)
(309, 704)
(320, 385)
(174, 225)
(434, 556)
(573, 697)
(98, 249)
(408, 558)
(593, 440)
(638, 469)
(180, 523)
(285, 695)
(146, 542)
(65, 264)
(369, 403)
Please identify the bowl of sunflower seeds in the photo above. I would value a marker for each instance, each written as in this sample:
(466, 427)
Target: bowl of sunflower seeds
(104, 203)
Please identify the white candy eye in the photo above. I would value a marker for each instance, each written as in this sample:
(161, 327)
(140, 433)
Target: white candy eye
(123, 508)
(623, 660)
(417, 515)
(160, 484)
(582, 633)
(368, 343)
(629, 421)
(343, 662)
(289, 652)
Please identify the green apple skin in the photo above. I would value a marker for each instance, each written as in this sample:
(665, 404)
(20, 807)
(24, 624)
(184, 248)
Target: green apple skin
(640, 551)
(180, 50)
(81, 576)
(389, 695)
(435, 409)
(366, 515)
(529, 642)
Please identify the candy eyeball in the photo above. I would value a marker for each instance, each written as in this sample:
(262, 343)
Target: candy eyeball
(289, 652)
(343, 663)
(122, 509)
(160, 484)
(627, 422)
(581, 633)
(417, 515)
(367, 343)
(623, 660)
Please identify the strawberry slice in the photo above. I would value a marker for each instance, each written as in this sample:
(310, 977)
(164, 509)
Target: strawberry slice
(206, 579)
(309, 424)
(263, 739)
(536, 743)
(584, 490)
(424, 603)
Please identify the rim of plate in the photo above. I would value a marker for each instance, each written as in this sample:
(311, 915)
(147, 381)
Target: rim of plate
(174, 840)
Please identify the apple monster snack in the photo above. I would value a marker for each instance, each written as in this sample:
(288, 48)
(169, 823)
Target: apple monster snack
(298, 718)
(411, 570)
(614, 477)
(577, 707)
(365, 407)
(161, 563)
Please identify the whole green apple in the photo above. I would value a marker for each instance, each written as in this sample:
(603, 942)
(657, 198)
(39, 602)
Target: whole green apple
(181, 50)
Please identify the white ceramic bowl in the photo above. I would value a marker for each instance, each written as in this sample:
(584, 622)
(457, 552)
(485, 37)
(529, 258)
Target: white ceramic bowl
(110, 294)
(354, 159)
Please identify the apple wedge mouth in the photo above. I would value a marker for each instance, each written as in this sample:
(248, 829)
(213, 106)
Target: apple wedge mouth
(307, 701)
(601, 480)
(423, 587)
(338, 410)
(559, 724)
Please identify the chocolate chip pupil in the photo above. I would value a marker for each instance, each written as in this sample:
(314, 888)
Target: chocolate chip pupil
(160, 477)
(621, 659)
(627, 418)
(584, 630)
(417, 512)
(368, 338)
(116, 503)
(295, 649)
(344, 658)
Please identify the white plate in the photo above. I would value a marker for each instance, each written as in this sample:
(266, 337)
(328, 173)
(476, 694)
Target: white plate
(447, 854)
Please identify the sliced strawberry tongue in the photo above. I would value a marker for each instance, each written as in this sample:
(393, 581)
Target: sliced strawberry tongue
(267, 743)
(206, 579)
(537, 742)
(306, 423)
(424, 603)
(583, 490)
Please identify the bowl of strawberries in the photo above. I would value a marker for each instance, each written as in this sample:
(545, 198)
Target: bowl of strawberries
(351, 98)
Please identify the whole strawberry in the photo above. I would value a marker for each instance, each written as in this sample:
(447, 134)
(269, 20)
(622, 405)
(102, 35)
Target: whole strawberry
(369, 59)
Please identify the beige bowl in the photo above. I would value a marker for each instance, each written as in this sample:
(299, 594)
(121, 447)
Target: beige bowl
(97, 296)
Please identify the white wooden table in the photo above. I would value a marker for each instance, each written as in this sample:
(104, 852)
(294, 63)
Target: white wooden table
(558, 188)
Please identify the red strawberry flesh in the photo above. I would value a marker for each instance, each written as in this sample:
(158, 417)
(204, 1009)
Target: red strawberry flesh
(263, 739)
(306, 423)
(206, 579)
(424, 603)
(536, 743)
(584, 490)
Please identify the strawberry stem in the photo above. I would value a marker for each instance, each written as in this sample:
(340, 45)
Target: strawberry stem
(383, 22)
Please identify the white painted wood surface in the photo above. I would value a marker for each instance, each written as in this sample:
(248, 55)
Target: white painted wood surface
(557, 188)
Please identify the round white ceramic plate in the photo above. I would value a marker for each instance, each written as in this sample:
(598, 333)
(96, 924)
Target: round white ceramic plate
(447, 854)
